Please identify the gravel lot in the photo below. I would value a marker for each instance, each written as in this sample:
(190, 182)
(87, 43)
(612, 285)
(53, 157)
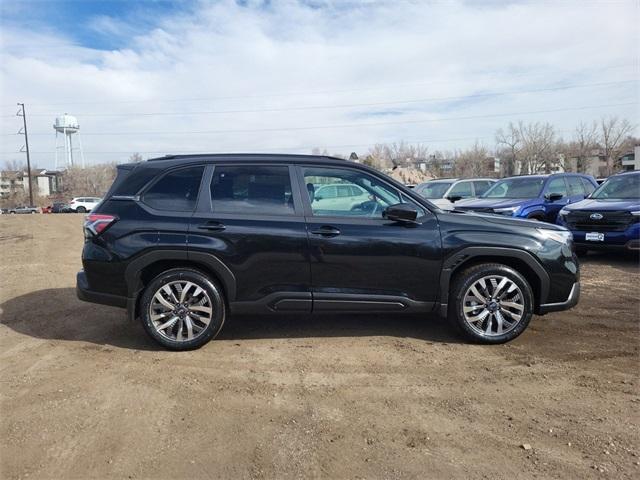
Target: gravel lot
(86, 395)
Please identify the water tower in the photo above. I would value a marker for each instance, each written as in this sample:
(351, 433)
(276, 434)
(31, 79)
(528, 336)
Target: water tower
(66, 127)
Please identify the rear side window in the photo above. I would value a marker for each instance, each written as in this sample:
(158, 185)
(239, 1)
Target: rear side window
(252, 189)
(588, 186)
(177, 190)
(462, 189)
(575, 186)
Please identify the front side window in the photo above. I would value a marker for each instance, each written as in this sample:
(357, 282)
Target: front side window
(575, 186)
(367, 196)
(177, 190)
(461, 189)
(522, 187)
(252, 189)
(623, 187)
(481, 187)
(433, 190)
(557, 185)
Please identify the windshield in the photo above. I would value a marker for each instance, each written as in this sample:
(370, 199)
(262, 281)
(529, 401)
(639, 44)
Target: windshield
(434, 189)
(525, 187)
(623, 187)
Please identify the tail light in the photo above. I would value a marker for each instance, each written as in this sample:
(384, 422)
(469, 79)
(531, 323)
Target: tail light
(96, 223)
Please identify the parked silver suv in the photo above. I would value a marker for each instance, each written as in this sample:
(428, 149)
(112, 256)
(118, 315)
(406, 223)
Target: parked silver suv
(444, 192)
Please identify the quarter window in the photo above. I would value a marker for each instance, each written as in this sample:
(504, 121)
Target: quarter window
(177, 190)
(252, 189)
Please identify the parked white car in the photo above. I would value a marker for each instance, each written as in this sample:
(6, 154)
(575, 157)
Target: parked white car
(338, 196)
(84, 204)
(445, 192)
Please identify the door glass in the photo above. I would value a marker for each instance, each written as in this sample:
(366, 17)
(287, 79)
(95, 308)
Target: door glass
(557, 185)
(575, 186)
(251, 189)
(462, 189)
(481, 187)
(588, 186)
(176, 191)
(368, 196)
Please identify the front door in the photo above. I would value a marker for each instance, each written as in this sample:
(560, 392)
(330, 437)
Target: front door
(359, 260)
(250, 222)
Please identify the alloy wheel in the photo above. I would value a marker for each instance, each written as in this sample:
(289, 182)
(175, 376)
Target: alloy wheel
(180, 311)
(493, 305)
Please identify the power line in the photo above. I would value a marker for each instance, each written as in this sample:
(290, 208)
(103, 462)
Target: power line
(351, 105)
(309, 92)
(356, 125)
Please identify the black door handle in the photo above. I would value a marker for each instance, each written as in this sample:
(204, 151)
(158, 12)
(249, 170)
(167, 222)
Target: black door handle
(212, 226)
(326, 231)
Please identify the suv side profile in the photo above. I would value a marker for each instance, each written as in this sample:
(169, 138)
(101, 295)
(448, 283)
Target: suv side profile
(444, 192)
(83, 204)
(537, 197)
(184, 241)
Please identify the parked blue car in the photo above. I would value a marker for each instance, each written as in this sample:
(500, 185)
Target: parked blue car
(609, 218)
(537, 197)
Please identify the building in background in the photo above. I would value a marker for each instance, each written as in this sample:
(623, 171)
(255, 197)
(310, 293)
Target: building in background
(15, 183)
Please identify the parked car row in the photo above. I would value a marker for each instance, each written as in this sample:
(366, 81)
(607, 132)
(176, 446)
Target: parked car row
(600, 214)
(77, 205)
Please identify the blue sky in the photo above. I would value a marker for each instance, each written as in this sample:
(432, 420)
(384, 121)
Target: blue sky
(183, 76)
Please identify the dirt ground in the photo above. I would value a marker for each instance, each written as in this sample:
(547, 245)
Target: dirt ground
(86, 395)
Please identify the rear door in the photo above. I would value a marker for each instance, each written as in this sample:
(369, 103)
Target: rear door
(361, 261)
(250, 219)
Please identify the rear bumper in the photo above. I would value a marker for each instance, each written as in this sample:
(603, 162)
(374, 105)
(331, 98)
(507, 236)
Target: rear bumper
(86, 295)
(570, 302)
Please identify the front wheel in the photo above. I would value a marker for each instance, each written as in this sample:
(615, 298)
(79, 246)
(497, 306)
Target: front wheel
(182, 309)
(81, 210)
(490, 303)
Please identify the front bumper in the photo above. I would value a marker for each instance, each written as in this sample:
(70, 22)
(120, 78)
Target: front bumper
(571, 302)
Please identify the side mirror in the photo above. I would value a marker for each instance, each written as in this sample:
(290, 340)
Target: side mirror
(401, 212)
(552, 197)
(454, 198)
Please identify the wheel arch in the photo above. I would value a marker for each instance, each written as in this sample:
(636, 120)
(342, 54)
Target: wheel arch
(520, 260)
(146, 267)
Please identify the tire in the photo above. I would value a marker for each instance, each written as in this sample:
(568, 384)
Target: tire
(499, 323)
(81, 210)
(200, 291)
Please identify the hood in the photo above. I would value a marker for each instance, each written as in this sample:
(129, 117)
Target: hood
(491, 202)
(605, 205)
(506, 221)
(443, 203)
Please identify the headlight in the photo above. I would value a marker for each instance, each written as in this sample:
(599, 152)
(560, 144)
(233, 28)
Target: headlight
(560, 236)
(506, 211)
(563, 212)
(637, 213)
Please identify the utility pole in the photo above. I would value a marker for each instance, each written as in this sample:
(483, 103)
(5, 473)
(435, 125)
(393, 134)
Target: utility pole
(26, 143)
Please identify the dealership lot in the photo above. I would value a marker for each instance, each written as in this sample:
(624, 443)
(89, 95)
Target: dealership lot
(86, 394)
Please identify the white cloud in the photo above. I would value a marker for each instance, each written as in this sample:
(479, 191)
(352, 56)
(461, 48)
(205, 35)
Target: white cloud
(278, 58)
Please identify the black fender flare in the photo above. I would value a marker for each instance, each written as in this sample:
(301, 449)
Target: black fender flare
(454, 261)
(208, 261)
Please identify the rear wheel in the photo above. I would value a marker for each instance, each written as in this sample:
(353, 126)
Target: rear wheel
(490, 303)
(182, 309)
(81, 210)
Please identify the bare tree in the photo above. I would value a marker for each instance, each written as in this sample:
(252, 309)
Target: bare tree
(613, 132)
(510, 142)
(94, 180)
(472, 162)
(584, 142)
(539, 150)
(135, 158)
(15, 165)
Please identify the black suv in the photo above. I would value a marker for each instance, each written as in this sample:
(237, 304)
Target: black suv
(184, 241)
